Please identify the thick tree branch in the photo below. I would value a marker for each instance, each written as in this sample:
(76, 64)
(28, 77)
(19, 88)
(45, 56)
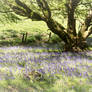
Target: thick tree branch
(19, 11)
(18, 2)
(58, 29)
(84, 32)
(89, 32)
(23, 10)
(54, 26)
(43, 5)
(71, 6)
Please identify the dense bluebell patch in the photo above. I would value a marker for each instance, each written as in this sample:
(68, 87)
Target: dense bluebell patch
(51, 63)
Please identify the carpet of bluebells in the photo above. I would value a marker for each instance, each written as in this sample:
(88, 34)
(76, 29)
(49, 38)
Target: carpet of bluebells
(23, 60)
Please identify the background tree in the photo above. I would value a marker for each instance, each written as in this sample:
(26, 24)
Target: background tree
(70, 10)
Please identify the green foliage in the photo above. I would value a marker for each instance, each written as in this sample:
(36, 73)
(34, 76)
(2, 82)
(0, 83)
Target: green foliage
(11, 33)
(61, 84)
(22, 63)
(55, 39)
(38, 36)
(31, 39)
(6, 14)
(58, 9)
(26, 80)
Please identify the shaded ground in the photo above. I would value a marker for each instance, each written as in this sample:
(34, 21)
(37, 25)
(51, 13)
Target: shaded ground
(89, 41)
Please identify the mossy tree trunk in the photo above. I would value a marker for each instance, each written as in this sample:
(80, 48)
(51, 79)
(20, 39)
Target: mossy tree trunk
(73, 41)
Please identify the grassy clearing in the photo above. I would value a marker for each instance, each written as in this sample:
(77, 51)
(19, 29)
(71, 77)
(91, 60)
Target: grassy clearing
(12, 33)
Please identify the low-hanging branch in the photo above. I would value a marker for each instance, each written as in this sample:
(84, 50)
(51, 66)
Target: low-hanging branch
(43, 5)
(23, 10)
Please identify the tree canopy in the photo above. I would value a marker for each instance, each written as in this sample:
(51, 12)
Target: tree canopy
(6, 14)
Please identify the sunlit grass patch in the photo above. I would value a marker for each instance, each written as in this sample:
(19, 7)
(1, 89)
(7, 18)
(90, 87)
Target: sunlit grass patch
(12, 33)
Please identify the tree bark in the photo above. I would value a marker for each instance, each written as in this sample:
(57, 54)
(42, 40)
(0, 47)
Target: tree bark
(58, 29)
(73, 41)
(84, 32)
(71, 26)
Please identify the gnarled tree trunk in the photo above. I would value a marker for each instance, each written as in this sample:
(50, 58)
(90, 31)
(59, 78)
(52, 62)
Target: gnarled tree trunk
(73, 41)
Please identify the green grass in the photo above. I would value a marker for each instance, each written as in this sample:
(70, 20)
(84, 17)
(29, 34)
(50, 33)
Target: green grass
(61, 84)
(11, 33)
(55, 83)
